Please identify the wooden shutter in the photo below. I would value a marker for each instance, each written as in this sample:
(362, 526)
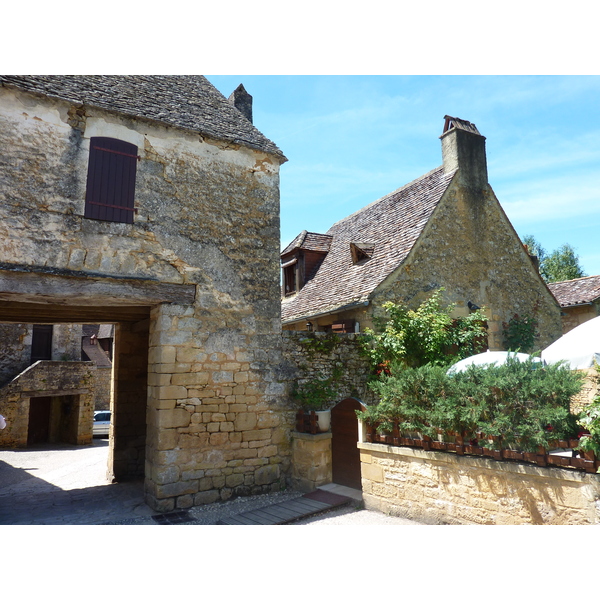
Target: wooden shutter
(111, 180)
(346, 326)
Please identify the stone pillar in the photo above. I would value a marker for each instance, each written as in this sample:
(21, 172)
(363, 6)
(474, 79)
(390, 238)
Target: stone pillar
(128, 402)
(311, 459)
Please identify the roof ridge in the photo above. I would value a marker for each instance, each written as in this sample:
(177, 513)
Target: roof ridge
(573, 280)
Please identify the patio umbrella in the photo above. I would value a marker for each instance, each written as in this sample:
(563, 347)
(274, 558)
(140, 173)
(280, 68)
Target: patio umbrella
(580, 347)
(488, 359)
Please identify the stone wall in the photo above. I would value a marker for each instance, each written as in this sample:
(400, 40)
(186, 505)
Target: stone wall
(103, 388)
(15, 350)
(71, 418)
(309, 355)
(441, 488)
(311, 460)
(205, 403)
(470, 248)
(574, 316)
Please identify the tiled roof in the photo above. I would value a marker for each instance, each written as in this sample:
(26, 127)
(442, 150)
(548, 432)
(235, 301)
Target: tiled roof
(390, 226)
(317, 242)
(187, 101)
(576, 291)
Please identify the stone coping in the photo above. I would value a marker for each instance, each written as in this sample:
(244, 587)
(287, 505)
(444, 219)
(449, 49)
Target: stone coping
(482, 462)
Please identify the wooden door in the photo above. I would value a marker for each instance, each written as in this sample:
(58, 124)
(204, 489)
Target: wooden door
(38, 431)
(345, 456)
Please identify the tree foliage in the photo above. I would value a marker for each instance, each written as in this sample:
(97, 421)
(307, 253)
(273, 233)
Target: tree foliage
(560, 265)
(426, 335)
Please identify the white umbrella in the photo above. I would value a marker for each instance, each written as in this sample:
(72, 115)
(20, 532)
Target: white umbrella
(488, 359)
(580, 347)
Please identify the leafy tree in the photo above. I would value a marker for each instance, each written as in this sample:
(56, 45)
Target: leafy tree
(425, 335)
(561, 264)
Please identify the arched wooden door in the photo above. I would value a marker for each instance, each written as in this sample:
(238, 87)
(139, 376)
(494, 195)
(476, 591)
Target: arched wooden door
(345, 456)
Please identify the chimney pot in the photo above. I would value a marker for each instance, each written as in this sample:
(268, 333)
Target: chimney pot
(463, 148)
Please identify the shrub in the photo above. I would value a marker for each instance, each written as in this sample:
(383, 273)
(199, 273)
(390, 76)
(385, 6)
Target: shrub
(427, 335)
(518, 404)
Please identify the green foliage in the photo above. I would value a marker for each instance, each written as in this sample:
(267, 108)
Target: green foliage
(316, 393)
(518, 404)
(519, 333)
(425, 335)
(320, 344)
(560, 265)
(589, 419)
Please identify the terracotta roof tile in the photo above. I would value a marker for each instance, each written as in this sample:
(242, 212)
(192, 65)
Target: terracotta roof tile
(576, 291)
(390, 226)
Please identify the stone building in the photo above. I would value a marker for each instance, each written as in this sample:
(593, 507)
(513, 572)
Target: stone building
(152, 202)
(579, 300)
(445, 229)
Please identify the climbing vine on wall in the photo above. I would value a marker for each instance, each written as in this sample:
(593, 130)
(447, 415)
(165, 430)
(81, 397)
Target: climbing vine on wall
(520, 333)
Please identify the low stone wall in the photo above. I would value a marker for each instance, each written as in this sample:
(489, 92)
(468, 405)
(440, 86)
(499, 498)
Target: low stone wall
(442, 488)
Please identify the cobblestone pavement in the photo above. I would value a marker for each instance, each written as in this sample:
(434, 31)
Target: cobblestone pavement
(67, 485)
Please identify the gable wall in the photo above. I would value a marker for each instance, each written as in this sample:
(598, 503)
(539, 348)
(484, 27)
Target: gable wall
(208, 216)
(469, 248)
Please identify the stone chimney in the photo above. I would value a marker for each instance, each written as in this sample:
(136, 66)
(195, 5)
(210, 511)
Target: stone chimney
(242, 100)
(463, 148)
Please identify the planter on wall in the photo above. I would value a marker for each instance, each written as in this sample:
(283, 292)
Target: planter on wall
(323, 420)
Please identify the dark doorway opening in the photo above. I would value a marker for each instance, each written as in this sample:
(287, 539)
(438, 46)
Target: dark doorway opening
(345, 455)
(41, 343)
(53, 419)
(38, 431)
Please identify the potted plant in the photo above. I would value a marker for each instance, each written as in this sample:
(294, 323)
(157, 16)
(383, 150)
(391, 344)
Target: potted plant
(315, 395)
(589, 418)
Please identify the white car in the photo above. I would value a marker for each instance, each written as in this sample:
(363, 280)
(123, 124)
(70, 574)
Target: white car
(101, 422)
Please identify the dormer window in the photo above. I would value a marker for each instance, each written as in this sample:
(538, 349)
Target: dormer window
(290, 270)
(361, 253)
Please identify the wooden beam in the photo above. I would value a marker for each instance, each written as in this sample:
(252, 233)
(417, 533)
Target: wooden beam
(79, 289)
(29, 312)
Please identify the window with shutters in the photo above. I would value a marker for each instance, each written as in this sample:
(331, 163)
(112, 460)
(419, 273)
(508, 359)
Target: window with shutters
(111, 174)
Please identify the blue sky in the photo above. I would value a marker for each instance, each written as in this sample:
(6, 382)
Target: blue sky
(352, 139)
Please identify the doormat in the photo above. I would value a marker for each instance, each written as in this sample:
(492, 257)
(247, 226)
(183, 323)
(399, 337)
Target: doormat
(173, 518)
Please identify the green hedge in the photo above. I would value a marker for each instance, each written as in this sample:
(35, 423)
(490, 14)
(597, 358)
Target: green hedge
(520, 405)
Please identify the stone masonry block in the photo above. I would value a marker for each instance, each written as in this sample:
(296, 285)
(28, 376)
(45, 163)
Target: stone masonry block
(245, 421)
(177, 417)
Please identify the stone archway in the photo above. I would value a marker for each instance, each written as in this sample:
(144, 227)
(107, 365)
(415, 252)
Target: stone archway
(345, 455)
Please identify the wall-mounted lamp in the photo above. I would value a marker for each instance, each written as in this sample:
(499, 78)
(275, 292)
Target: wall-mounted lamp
(309, 326)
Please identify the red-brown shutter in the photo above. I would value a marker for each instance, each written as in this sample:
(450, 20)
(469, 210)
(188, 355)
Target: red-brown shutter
(111, 180)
